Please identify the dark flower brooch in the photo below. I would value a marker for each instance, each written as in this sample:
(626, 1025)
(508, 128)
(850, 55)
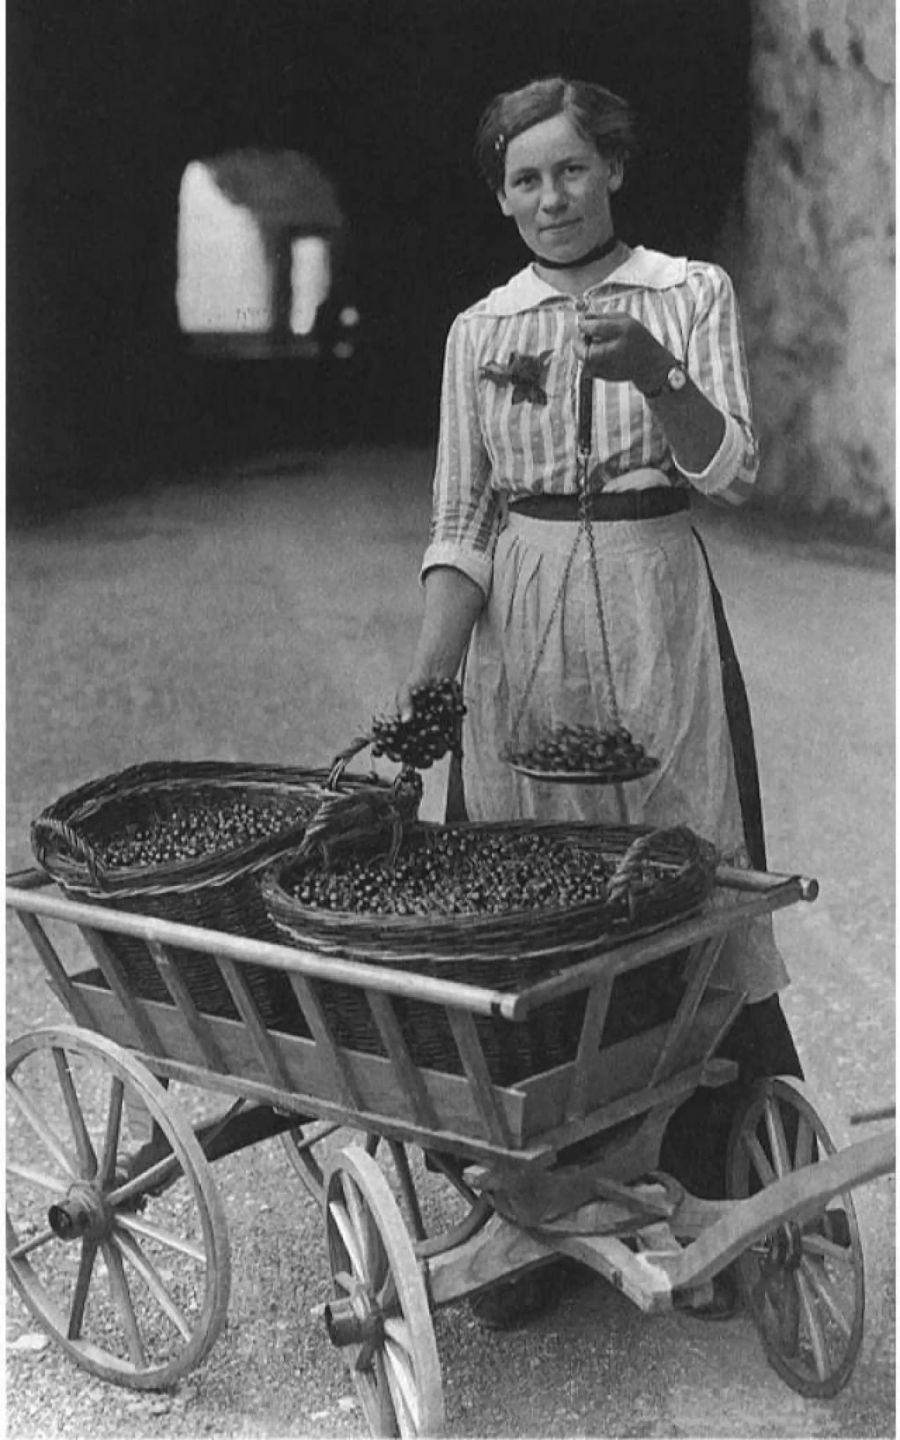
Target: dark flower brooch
(525, 373)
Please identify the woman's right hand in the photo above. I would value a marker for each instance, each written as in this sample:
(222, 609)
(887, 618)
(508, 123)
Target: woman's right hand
(452, 605)
(403, 704)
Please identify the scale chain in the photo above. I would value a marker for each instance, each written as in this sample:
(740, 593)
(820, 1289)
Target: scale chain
(542, 645)
(584, 438)
(595, 577)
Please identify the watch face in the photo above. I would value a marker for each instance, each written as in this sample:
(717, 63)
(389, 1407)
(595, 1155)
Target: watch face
(676, 378)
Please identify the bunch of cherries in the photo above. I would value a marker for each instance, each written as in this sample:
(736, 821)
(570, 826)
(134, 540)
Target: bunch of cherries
(585, 749)
(431, 732)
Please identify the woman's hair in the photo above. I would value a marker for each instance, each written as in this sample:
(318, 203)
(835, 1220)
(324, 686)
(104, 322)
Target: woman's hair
(597, 114)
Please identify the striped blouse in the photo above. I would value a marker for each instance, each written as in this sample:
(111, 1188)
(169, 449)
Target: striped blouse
(509, 429)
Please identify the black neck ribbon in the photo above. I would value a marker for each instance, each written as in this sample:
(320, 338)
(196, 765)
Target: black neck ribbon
(599, 252)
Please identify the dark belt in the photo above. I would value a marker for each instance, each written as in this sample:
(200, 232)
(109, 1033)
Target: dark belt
(647, 504)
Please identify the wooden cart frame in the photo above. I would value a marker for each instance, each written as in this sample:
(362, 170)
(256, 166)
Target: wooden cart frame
(85, 1189)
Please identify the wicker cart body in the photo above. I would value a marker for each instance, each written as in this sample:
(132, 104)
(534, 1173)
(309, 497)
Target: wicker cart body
(503, 1143)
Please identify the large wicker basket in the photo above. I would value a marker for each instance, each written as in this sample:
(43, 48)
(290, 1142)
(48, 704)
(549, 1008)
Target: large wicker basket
(673, 877)
(216, 890)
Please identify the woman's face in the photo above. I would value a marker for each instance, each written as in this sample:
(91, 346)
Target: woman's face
(557, 188)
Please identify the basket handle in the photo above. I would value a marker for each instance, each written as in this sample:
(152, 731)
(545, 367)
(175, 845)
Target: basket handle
(47, 827)
(343, 758)
(619, 885)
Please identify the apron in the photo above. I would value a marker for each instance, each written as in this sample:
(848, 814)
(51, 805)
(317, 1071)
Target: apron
(677, 687)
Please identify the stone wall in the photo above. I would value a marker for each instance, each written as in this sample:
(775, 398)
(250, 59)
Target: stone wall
(817, 272)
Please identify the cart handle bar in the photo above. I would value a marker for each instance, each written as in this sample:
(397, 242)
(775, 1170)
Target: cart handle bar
(798, 1196)
(757, 882)
(768, 892)
(730, 876)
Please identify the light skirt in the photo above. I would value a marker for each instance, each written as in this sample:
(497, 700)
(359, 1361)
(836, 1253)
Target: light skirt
(666, 683)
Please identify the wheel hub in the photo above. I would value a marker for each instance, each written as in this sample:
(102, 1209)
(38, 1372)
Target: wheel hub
(785, 1249)
(356, 1320)
(81, 1213)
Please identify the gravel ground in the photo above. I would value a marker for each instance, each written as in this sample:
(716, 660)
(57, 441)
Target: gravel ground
(263, 615)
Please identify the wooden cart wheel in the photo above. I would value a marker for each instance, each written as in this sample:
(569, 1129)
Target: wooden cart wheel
(380, 1314)
(305, 1149)
(803, 1285)
(129, 1271)
(300, 1146)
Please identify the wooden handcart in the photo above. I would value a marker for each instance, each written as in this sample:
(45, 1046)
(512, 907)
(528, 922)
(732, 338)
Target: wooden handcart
(116, 1236)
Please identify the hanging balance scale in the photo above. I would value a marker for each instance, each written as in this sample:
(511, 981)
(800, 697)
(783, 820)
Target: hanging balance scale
(581, 754)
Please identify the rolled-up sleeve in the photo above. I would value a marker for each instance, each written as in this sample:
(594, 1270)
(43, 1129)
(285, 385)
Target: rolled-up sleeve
(466, 510)
(717, 364)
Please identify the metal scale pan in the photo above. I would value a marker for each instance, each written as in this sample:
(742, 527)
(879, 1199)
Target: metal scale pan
(621, 776)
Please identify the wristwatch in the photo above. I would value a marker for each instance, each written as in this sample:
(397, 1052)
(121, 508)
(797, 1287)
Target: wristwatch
(675, 380)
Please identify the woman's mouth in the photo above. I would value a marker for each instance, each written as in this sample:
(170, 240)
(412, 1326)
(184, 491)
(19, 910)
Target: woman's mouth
(558, 232)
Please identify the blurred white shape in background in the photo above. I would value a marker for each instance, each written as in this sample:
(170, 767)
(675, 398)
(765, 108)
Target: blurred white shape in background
(310, 280)
(224, 274)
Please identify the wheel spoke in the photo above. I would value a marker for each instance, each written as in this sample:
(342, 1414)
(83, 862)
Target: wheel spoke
(387, 1420)
(759, 1295)
(303, 1142)
(813, 1325)
(35, 1243)
(398, 1332)
(166, 1169)
(356, 1210)
(805, 1146)
(348, 1235)
(86, 1154)
(118, 1284)
(53, 1183)
(757, 1155)
(113, 1129)
(154, 1283)
(350, 1239)
(344, 1279)
(402, 1382)
(825, 1292)
(786, 1307)
(777, 1139)
(136, 1225)
(82, 1286)
(827, 1249)
(388, 1298)
(44, 1132)
(371, 1248)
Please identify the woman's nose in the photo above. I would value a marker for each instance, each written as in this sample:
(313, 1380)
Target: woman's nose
(553, 196)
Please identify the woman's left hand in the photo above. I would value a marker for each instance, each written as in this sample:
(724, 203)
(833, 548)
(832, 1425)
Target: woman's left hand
(619, 348)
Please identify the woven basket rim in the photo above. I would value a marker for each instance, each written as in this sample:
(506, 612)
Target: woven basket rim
(87, 801)
(408, 939)
(566, 952)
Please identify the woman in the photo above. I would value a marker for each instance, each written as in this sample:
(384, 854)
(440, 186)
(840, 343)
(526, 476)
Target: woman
(509, 595)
